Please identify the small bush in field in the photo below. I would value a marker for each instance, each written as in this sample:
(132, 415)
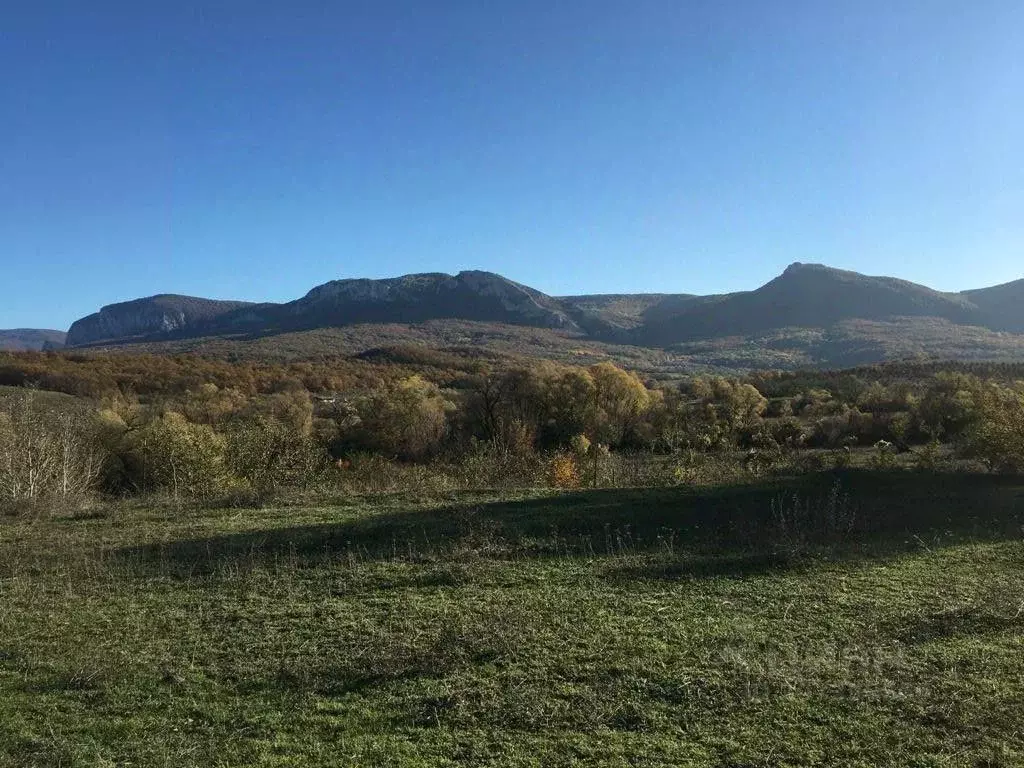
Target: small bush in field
(580, 444)
(564, 471)
(173, 455)
(883, 456)
(929, 458)
(490, 464)
(590, 457)
(372, 473)
(268, 454)
(514, 438)
(841, 457)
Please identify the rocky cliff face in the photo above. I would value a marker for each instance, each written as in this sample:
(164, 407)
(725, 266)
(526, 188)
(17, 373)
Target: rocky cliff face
(468, 295)
(471, 295)
(161, 314)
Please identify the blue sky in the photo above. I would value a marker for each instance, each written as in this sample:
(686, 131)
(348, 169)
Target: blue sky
(252, 150)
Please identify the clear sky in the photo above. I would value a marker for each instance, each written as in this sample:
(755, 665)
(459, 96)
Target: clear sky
(251, 150)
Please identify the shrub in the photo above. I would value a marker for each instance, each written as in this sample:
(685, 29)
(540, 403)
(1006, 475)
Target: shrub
(832, 432)
(732, 406)
(929, 458)
(46, 455)
(692, 467)
(883, 455)
(641, 470)
(779, 407)
(950, 406)
(373, 473)
(268, 454)
(563, 471)
(514, 438)
(841, 458)
(787, 432)
(208, 404)
(489, 464)
(817, 402)
(997, 435)
(595, 460)
(173, 455)
(405, 420)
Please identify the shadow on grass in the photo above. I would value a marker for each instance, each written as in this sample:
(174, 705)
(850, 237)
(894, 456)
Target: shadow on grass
(736, 530)
(972, 622)
(735, 565)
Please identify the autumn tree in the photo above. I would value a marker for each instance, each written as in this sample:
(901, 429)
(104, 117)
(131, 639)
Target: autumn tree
(619, 402)
(406, 419)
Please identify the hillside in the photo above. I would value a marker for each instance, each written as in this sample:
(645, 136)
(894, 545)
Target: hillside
(808, 296)
(1001, 307)
(809, 315)
(31, 339)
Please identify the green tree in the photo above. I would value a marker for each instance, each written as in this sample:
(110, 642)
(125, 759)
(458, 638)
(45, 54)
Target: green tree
(950, 405)
(996, 434)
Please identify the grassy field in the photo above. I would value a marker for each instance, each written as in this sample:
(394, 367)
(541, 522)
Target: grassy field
(857, 619)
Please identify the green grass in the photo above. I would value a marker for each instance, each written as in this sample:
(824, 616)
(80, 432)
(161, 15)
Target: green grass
(857, 620)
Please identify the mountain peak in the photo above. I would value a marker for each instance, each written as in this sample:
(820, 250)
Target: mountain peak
(810, 268)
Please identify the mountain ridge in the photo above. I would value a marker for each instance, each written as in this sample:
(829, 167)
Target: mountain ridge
(804, 296)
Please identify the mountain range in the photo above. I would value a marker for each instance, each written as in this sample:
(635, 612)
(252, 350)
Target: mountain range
(805, 298)
(31, 339)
